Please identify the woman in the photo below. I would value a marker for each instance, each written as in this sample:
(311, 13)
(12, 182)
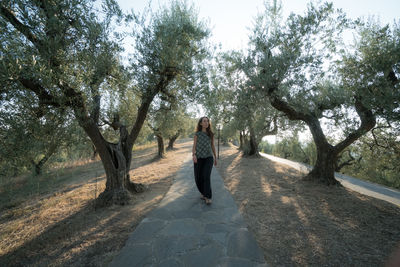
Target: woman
(202, 152)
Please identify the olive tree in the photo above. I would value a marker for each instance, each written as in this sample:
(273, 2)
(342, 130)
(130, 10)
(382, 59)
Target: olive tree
(234, 102)
(288, 61)
(28, 142)
(62, 53)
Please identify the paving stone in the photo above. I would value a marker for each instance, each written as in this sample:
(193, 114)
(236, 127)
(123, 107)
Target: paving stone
(136, 255)
(170, 263)
(159, 214)
(188, 214)
(165, 247)
(184, 231)
(146, 231)
(221, 238)
(184, 204)
(207, 256)
(242, 244)
(236, 262)
(227, 216)
(218, 228)
(223, 202)
(183, 227)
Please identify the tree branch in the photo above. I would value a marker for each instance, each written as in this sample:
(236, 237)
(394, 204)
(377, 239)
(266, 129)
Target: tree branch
(115, 124)
(347, 162)
(44, 96)
(145, 104)
(283, 106)
(11, 18)
(267, 131)
(368, 121)
(376, 139)
(97, 78)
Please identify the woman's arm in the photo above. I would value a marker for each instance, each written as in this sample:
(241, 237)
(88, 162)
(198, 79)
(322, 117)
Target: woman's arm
(194, 149)
(213, 150)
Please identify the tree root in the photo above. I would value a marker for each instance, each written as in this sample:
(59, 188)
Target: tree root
(252, 156)
(109, 197)
(136, 187)
(321, 180)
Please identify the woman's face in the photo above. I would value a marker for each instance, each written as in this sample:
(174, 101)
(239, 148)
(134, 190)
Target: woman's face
(204, 123)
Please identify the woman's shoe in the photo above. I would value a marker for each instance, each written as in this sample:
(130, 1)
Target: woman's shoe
(203, 197)
(208, 201)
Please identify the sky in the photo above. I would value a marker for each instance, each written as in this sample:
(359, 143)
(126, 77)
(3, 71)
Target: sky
(230, 20)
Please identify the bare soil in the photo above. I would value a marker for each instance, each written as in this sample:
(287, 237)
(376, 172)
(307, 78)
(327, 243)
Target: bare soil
(299, 223)
(61, 227)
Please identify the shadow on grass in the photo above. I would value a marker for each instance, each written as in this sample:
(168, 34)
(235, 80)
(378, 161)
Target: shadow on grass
(94, 227)
(13, 194)
(86, 237)
(302, 223)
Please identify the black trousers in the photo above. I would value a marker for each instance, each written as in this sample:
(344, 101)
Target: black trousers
(202, 173)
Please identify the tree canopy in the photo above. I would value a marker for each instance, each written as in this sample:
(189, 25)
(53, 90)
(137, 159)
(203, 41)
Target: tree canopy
(287, 63)
(62, 55)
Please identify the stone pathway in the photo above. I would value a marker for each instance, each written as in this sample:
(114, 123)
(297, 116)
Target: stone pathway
(184, 231)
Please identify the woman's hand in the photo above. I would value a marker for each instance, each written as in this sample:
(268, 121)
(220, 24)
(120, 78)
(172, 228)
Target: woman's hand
(215, 161)
(194, 158)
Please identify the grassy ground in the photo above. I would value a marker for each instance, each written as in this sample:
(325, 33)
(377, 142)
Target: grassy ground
(51, 220)
(298, 223)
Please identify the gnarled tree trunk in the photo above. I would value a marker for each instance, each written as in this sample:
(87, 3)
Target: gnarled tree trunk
(172, 141)
(94, 154)
(116, 158)
(116, 171)
(252, 146)
(241, 140)
(114, 164)
(160, 145)
(324, 168)
(38, 167)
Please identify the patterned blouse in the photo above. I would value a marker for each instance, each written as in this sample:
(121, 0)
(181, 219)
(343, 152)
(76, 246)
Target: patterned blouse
(203, 145)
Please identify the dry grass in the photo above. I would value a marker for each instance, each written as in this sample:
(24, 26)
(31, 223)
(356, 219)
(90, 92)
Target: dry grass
(298, 223)
(59, 225)
(295, 222)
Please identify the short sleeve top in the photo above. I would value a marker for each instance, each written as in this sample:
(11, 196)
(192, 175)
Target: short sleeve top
(203, 145)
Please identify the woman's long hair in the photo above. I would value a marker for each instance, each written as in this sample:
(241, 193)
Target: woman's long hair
(209, 131)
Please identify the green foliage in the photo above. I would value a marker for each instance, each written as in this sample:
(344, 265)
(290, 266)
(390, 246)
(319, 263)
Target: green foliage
(54, 60)
(28, 143)
(288, 58)
(64, 58)
(288, 63)
(379, 158)
(168, 119)
(291, 148)
(372, 70)
(170, 44)
(235, 104)
(30, 136)
(266, 147)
